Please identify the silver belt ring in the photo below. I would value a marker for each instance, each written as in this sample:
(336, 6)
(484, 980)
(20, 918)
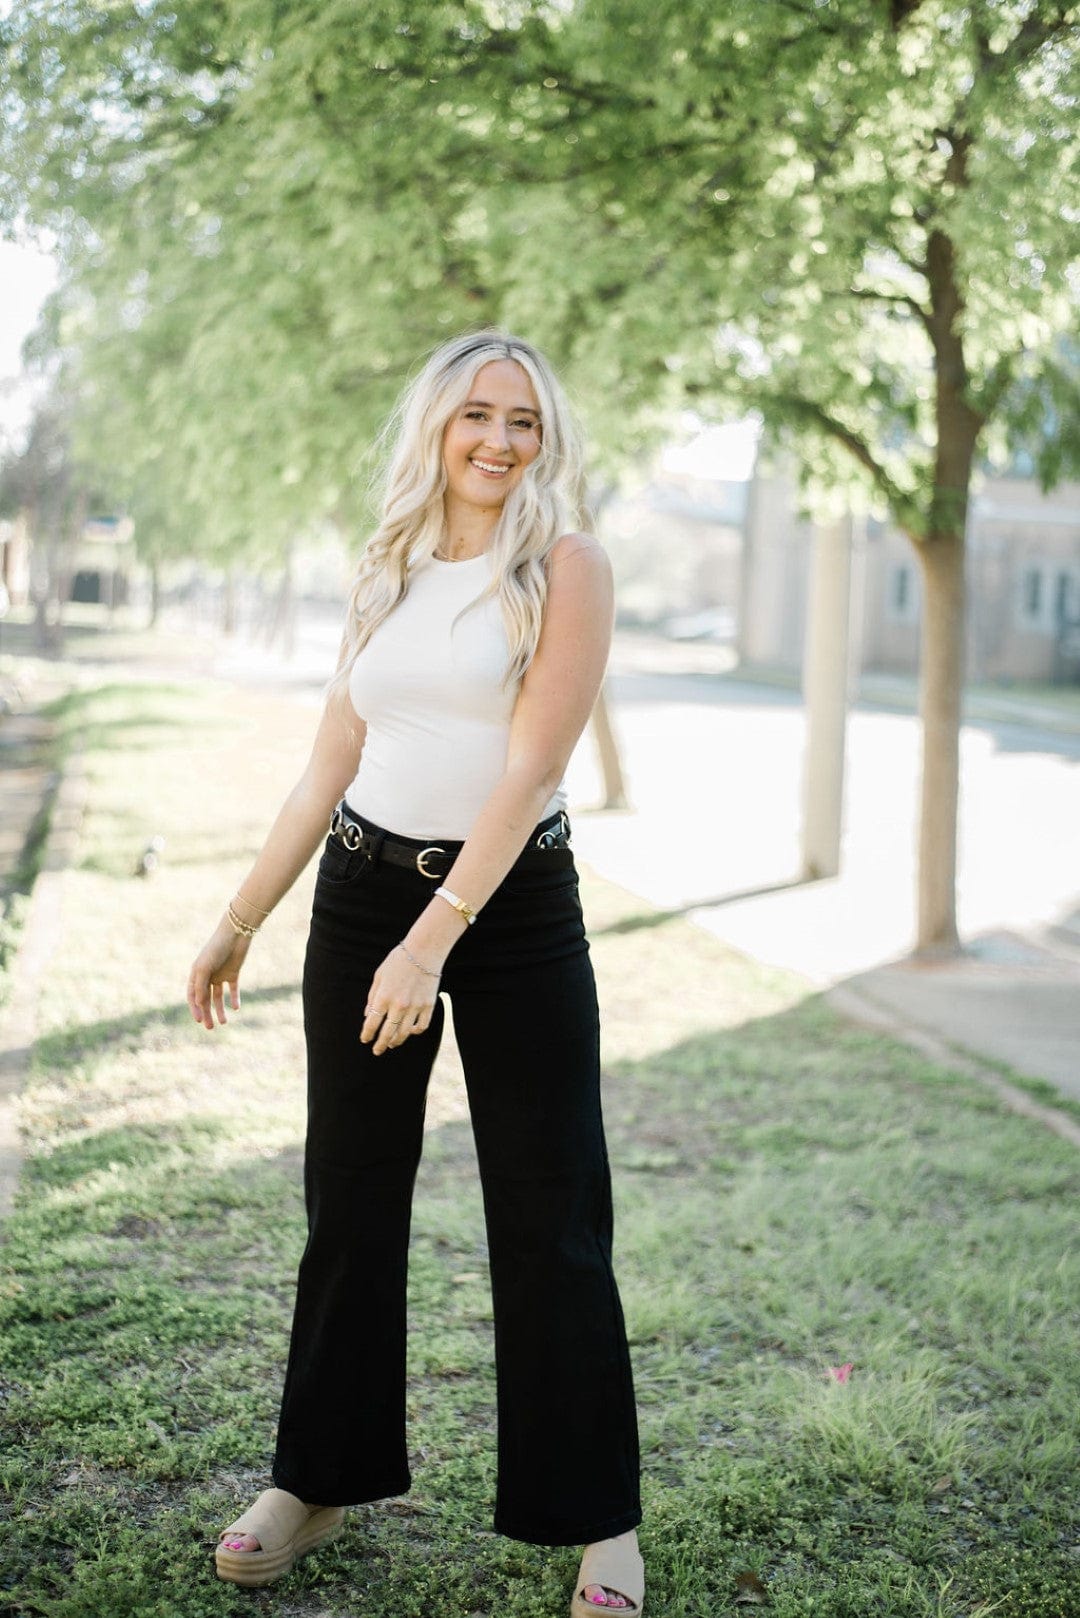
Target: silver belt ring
(432, 876)
(344, 829)
(550, 838)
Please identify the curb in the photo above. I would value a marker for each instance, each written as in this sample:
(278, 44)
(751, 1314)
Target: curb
(894, 694)
(861, 1008)
(18, 1029)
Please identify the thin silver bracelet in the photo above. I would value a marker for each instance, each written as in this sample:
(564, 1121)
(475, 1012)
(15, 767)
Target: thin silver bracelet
(420, 967)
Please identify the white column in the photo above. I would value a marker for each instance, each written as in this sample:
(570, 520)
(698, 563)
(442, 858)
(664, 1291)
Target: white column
(825, 692)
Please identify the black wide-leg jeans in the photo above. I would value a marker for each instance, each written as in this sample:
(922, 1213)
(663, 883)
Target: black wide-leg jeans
(525, 1015)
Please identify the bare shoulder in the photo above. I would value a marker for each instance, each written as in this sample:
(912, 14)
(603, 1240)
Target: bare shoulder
(580, 594)
(582, 548)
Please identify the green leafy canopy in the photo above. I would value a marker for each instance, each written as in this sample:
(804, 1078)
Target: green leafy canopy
(859, 219)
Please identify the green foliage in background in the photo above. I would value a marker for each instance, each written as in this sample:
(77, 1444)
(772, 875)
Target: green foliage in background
(257, 244)
(859, 219)
(829, 213)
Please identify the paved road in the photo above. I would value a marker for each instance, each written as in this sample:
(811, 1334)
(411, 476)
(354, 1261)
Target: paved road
(715, 773)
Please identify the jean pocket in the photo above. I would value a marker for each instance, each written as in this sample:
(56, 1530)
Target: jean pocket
(341, 866)
(540, 884)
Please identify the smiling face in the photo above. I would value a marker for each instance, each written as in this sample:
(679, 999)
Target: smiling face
(492, 437)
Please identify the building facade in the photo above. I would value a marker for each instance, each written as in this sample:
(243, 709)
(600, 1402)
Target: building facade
(1023, 570)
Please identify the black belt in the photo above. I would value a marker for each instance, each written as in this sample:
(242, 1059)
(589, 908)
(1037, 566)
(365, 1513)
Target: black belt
(548, 848)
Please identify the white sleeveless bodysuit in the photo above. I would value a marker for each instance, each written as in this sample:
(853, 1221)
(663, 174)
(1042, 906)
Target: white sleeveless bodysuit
(430, 692)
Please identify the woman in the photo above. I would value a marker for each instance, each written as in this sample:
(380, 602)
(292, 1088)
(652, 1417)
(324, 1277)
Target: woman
(475, 644)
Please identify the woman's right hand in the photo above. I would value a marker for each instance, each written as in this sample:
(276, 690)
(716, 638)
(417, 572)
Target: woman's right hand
(218, 963)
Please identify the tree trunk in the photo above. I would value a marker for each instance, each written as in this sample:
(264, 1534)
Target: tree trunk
(608, 749)
(155, 593)
(607, 745)
(281, 620)
(825, 693)
(41, 624)
(62, 562)
(57, 594)
(941, 552)
(228, 603)
(941, 677)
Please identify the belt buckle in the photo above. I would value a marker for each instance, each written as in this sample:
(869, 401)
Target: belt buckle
(432, 876)
(344, 830)
(550, 839)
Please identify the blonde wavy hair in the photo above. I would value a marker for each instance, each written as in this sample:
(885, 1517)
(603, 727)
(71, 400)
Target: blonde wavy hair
(547, 501)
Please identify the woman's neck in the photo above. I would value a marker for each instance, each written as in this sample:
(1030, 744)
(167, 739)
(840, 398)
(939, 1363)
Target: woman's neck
(467, 530)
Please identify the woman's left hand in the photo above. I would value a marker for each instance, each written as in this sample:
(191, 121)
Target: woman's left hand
(400, 1002)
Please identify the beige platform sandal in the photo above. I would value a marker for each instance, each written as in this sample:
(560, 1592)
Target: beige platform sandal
(617, 1565)
(285, 1529)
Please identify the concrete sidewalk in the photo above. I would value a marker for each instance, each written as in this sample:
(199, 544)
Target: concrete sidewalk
(1008, 1001)
(714, 836)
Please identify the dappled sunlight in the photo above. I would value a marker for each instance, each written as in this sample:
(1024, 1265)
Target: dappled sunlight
(153, 1071)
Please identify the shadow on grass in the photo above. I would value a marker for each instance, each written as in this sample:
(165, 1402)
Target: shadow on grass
(57, 1050)
(792, 1193)
(86, 716)
(135, 1147)
(657, 918)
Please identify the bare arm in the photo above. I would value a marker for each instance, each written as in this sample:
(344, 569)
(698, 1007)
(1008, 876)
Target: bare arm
(293, 838)
(556, 697)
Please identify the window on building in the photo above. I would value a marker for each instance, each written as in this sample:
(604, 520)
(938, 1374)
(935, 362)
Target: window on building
(1031, 594)
(902, 596)
(1048, 597)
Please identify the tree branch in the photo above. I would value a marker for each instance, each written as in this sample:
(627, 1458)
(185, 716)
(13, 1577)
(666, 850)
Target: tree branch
(1034, 32)
(998, 382)
(816, 415)
(900, 299)
(900, 11)
(814, 15)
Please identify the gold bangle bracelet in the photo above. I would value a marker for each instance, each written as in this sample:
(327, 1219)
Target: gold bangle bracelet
(241, 928)
(257, 908)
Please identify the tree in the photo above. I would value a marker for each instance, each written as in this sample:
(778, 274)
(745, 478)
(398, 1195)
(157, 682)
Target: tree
(860, 220)
(258, 243)
(44, 482)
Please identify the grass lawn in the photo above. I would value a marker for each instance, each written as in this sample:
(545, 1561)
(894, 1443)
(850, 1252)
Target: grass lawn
(792, 1195)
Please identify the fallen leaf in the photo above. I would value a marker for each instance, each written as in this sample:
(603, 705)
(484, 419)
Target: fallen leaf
(750, 1590)
(942, 1485)
(840, 1373)
(466, 1275)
